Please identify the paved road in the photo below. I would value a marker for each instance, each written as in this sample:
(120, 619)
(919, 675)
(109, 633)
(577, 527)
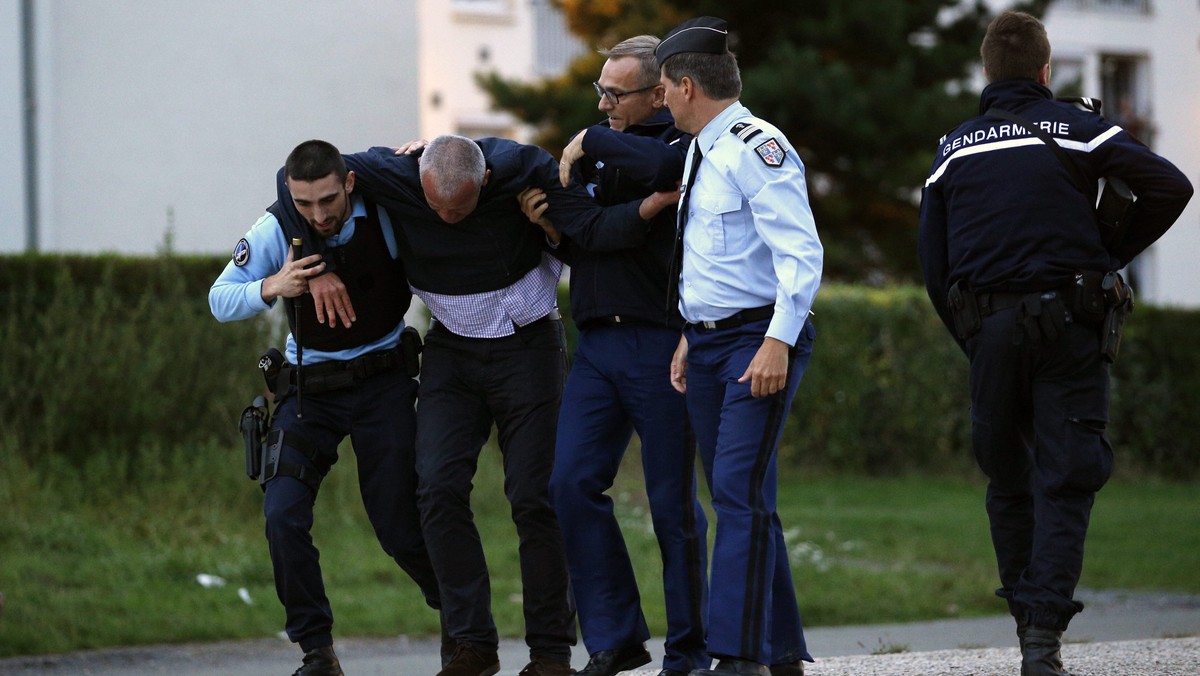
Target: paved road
(1118, 635)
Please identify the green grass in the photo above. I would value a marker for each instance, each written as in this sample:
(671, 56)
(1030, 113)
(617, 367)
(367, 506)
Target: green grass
(107, 553)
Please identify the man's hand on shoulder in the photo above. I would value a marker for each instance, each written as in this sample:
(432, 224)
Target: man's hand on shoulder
(411, 147)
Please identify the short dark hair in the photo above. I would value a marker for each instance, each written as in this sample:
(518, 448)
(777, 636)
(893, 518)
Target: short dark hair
(640, 47)
(717, 75)
(314, 160)
(1015, 47)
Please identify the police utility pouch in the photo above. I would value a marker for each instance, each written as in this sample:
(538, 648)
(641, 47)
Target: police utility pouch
(964, 310)
(410, 350)
(1041, 319)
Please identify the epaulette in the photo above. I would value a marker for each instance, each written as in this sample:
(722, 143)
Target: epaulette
(768, 151)
(1086, 103)
(745, 131)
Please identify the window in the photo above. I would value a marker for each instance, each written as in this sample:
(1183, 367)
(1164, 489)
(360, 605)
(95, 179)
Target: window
(1118, 6)
(1124, 93)
(482, 7)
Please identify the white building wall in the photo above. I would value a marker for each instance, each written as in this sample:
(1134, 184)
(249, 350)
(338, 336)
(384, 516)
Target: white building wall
(175, 115)
(157, 115)
(12, 169)
(1167, 38)
(460, 38)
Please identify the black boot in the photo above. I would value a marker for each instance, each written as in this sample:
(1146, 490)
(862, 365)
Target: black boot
(1040, 652)
(320, 662)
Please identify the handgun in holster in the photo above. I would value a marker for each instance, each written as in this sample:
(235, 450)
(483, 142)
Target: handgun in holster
(964, 310)
(255, 425)
(410, 350)
(1118, 301)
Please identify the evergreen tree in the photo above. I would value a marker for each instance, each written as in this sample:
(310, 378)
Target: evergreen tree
(862, 88)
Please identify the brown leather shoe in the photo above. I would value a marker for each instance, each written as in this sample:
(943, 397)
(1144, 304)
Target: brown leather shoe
(788, 668)
(469, 660)
(544, 666)
(320, 662)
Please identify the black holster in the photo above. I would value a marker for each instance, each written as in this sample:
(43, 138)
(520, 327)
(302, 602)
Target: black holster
(1114, 211)
(964, 310)
(1118, 301)
(255, 423)
(410, 350)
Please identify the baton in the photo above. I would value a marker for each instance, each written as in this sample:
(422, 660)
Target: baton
(296, 244)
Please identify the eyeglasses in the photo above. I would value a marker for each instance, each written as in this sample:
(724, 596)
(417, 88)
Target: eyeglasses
(615, 97)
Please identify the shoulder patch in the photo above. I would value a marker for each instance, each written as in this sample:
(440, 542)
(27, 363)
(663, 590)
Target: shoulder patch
(241, 252)
(744, 131)
(771, 153)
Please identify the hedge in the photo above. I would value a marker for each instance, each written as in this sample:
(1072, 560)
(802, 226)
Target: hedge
(102, 353)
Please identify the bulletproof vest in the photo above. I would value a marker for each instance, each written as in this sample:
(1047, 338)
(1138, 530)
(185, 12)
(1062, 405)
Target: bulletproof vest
(375, 283)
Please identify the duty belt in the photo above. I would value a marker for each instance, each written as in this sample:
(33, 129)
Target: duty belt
(737, 319)
(336, 374)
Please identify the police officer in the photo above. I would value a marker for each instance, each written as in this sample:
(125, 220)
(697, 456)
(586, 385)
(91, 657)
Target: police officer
(619, 383)
(1016, 268)
(354, 383)
(494, 355)
(751, 266)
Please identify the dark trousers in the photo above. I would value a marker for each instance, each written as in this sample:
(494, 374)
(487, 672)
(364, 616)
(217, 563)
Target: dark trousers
(1038, 430)
(467, 384)
(377, 414)
(620, 382)
(752, 612)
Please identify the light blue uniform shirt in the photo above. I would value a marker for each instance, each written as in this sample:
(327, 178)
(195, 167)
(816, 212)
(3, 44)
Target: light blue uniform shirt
(750, 239)
(237, 293)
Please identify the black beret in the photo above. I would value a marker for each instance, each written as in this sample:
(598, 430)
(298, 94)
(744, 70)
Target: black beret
(704, 34)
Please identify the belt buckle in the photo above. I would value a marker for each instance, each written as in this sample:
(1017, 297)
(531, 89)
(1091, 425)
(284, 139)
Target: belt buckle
(710, 325)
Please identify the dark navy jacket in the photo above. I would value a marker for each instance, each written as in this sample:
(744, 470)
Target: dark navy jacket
(618, 167)
(1001, 212)
(496, 244)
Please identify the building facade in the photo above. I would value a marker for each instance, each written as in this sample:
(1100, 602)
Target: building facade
(161, 123)
(137, 125)
(1142, 58)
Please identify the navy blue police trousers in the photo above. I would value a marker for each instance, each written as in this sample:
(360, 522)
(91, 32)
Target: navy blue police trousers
(620, 383)
(752, 612)
(1038, 419)
(377, 414)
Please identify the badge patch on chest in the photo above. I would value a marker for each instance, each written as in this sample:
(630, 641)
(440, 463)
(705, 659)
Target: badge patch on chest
(770, 152)
(241, 252)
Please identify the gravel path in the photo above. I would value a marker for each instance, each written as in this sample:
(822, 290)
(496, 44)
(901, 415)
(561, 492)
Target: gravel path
(1119, 634)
